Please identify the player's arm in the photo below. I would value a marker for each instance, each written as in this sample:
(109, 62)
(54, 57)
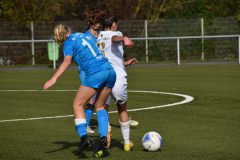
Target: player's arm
(126, 41)
(116, 38)
(64, 65)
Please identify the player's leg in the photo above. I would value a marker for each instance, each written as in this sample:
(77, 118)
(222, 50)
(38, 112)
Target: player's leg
(102, 117)
(82, 96)
(109, 126)
(89, 110)
(102, 114)
(125, 126)
(119, 93)
(89, 107)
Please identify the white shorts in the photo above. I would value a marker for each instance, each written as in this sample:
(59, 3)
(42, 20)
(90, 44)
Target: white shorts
(119, 91)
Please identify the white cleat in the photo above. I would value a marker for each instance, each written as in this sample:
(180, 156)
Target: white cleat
(133, 123)
(90, 130)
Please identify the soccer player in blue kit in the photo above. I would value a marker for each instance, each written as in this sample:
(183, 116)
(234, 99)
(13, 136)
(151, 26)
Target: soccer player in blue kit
(93, 31)
(99, 78)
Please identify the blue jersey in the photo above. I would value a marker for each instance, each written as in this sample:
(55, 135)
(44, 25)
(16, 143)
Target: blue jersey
(84, 51)
(88, 33)
(82, 72)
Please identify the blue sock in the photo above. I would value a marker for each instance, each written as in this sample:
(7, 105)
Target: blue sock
(102, 117)
(88, 114)
(81, 127)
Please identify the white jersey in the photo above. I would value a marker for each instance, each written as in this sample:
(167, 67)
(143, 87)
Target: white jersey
(112, 50)
(114, 53)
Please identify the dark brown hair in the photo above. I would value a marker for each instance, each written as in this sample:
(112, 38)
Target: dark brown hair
(108, 21)
(94, 16)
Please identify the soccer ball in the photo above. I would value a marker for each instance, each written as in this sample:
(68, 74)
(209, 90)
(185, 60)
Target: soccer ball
(152, 141)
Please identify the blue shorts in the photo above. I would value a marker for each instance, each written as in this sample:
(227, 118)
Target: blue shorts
(82, 76)
(104, 78)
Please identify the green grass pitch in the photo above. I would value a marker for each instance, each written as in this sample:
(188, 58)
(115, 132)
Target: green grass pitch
(207, 128)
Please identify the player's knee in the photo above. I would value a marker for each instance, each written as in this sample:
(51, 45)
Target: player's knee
(90, 106)
(122, 106)
(77, 104)
(121, 103)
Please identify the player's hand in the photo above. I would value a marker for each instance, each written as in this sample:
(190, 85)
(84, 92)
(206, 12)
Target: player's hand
(130, 61)
(127, 42)
(49, 83)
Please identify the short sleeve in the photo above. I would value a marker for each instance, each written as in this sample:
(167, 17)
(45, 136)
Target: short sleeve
(68, 48)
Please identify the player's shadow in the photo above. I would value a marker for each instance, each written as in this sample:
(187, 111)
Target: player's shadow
(67, 145)
(86, 154)
(64, 145)
(115, 144)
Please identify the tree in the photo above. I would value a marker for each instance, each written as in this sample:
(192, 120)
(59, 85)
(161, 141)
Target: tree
(207, 9)
(47, 10)
(154, 10)
(29, 10)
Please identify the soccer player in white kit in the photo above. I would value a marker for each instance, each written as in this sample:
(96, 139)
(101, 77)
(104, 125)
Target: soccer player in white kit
(111, 44)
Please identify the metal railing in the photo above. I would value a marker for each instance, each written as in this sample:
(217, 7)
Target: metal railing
(146, 39)
(33, 50)
(141, 30)
(187, 37)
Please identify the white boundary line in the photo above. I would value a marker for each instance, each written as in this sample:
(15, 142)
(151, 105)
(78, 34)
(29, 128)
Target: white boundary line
(187, 99)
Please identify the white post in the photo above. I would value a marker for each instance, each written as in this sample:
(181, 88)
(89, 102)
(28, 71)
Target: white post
(238, 49)
(54, 55)
(1, 61)
(178, 51)
(202, 33)
(33, 53)
(146, 41)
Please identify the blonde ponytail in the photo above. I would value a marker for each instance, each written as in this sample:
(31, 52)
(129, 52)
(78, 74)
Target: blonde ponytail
(61, 33)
